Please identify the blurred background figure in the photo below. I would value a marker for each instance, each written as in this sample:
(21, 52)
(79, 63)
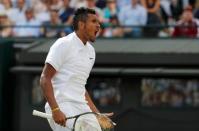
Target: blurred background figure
(1, 7)
(187, 26)
(14, 13)
(153, 17)
(109, 11)
(123, 3)
(92, 4)
(66, 16)
(196, 10)
(9, 10)
(114, 29)
(20, 11)
(101, 4)
(5, 23)
(66, 13)
(56, 4)
(41, 11)
(77, 3)
(133, 15)
(50, 29)
(29, 27)
(171, 11)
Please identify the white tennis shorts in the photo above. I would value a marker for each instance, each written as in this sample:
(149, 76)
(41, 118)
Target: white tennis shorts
(70, 109)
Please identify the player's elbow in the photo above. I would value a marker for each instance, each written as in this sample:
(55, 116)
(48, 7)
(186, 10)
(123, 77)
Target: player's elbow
(44, 81)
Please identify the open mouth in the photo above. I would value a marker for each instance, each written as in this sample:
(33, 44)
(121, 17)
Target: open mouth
(96, 32)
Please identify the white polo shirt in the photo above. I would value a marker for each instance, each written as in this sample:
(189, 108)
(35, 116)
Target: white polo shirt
(73, 62)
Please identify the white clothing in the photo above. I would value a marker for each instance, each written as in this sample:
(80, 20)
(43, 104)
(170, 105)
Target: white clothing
(123, 3)
(133, 16)
(17, 15)
(71, 109)
(1, 8)
(29, 30)
(77, 3)
(14, 15)
(43, 16)
(165, 4)
(73, 62)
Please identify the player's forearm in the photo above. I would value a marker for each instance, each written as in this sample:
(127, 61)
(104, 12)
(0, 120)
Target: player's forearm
(90, 103)
(48, 92)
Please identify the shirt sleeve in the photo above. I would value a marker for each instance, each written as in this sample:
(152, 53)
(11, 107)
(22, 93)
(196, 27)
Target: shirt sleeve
(57, 54)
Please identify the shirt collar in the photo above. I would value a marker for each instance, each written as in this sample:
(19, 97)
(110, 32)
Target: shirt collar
(79, 41)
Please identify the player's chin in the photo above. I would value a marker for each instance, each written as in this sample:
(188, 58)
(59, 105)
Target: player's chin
(93, 38)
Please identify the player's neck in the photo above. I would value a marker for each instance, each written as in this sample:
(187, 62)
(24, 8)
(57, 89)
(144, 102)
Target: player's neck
(81, 37)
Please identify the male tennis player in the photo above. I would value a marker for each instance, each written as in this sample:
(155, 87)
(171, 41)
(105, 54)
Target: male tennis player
(66, 70)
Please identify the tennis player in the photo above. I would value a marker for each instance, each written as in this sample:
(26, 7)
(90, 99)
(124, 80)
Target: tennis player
(66, 70)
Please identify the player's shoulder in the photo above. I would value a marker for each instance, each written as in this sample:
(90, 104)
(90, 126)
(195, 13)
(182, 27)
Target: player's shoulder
(65, 41)
(68, 39)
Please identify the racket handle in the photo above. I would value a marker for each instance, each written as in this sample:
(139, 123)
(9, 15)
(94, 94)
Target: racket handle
(41, 114)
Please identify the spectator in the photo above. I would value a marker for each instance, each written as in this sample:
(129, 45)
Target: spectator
(196, 11)
(5, 25)
(19, 12)
(92, 5)
(110, 11)
(171, 12)
(153, 19)
(31, 24)
(12, 13)
(187, 25)
(192, 3)
(1, 7)
(56, 4)
(41, 11)
(66, 13)
(77, 3)
(114, 30)
(133, 15)
(50, 29)
(21, 5)
(101, 4)
(123, 3)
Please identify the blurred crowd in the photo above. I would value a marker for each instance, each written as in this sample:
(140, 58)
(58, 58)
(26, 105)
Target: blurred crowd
(170, 93)
(119, 18)
(105, 92)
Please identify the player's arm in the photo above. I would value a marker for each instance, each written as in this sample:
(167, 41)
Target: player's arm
(90, 103)
(94, 109)
(46, 85)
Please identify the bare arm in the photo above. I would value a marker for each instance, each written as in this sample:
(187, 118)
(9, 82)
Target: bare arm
(46, 85)
(47, 88)
(90, 103)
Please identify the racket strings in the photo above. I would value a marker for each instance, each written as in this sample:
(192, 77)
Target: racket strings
(87, 122)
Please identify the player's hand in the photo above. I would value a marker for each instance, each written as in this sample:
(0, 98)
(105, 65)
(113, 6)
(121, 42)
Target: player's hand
(105, 122)
(59, 117)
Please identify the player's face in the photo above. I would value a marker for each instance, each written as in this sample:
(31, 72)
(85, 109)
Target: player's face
(92, 27)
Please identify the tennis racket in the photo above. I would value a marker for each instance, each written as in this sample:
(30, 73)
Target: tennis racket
(81, 121)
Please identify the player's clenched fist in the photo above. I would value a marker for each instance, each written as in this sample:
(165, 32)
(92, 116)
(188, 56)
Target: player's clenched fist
(59, 117)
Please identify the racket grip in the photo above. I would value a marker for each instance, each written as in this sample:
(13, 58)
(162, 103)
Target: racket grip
(41, 114)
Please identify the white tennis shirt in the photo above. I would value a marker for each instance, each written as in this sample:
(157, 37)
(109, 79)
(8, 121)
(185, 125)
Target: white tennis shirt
(73, 62)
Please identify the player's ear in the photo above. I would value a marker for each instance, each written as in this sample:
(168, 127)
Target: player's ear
(81, 25)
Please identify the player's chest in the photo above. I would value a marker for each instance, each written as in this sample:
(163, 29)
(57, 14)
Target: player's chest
(82, 59)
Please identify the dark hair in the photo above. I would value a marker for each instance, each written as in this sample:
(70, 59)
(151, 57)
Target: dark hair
(81, 14)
